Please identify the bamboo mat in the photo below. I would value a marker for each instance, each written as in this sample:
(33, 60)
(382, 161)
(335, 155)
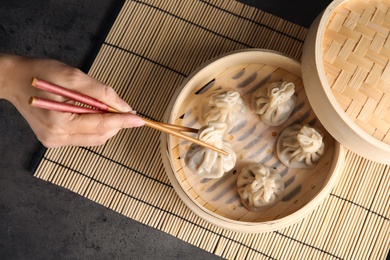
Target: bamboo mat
(152, 47)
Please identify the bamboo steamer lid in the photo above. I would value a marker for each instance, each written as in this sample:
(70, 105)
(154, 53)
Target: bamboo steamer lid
(346, 72)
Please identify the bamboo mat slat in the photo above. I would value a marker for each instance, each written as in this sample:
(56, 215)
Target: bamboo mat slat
(152, 47)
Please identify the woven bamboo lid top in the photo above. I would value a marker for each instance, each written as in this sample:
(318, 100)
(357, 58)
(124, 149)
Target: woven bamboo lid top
(356, 55)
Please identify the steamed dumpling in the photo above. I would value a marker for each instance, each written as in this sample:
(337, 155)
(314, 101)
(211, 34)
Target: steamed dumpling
(223, 106)
(274, 103)
(206, 162)
(259, 186)
(300, 147)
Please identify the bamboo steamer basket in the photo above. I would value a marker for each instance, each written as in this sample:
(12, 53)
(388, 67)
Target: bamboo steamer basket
(217, 200)
(346, 71)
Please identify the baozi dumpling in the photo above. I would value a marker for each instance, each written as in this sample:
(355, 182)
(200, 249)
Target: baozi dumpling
(223, 106)
(259, 186)
(206, 162)
(300, 147)
(275, 102)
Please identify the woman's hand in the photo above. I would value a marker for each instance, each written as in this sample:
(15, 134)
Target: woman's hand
(55, 128)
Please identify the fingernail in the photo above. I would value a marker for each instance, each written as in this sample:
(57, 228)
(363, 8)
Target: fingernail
(124, 107)
(137, 121)
(133, 112)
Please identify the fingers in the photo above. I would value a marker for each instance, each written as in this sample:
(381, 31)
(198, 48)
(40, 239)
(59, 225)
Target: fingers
(101, 123)
(85, 129)
(77, 139)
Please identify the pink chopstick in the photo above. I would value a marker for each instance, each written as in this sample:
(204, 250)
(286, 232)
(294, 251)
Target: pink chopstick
(62, 107)
(71, 94)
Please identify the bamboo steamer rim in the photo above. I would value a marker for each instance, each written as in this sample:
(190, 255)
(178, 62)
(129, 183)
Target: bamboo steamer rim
(327, 108)
(202, 73)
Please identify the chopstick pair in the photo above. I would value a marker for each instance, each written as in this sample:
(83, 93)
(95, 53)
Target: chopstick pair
(97, 106)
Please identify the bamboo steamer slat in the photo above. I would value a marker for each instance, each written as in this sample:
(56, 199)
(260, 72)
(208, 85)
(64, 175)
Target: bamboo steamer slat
(217, 200)
(346, 71)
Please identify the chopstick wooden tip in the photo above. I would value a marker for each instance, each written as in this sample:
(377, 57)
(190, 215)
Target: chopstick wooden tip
(34, 82)
(31, 100)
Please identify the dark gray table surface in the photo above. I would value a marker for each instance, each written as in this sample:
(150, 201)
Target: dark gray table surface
(39, 220)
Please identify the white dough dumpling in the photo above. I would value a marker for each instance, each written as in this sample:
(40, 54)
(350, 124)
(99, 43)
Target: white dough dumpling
(206, 162)
(259, 186)
(275, 102)
(223, 106)
(300, 146)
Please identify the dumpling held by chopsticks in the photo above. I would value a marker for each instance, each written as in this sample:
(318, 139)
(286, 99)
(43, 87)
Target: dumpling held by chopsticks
(206, 162)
